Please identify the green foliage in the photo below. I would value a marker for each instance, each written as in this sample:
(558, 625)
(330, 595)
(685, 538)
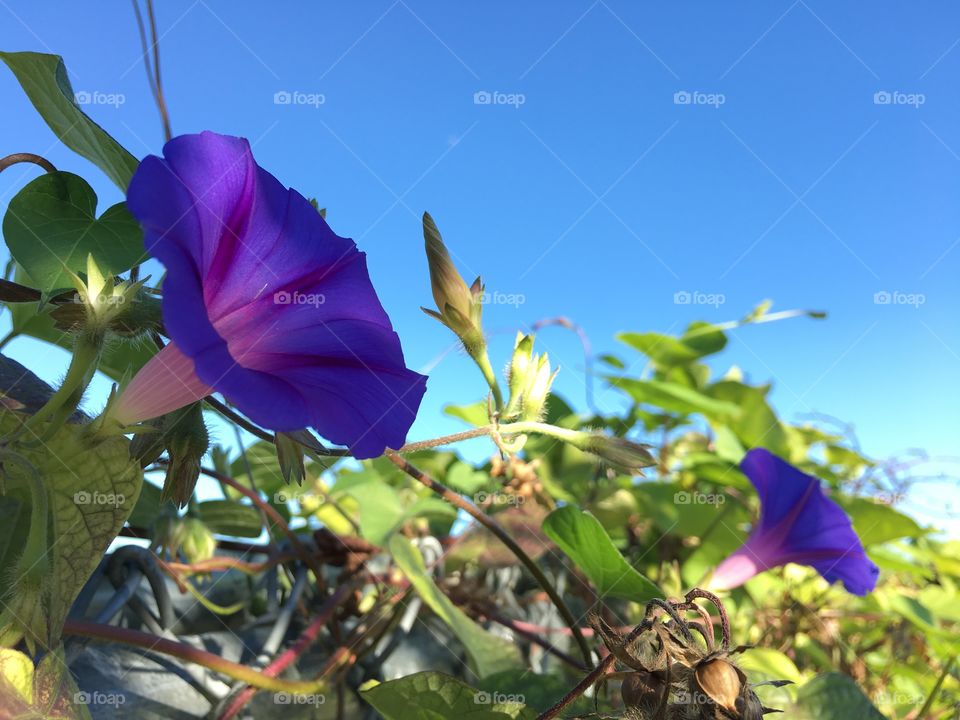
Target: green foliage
(44, 80)
(90, 487)
(51, 227)
(488, 653)
(435, 696)
(581, 536)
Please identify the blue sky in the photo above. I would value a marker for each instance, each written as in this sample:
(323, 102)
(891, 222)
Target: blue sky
(816, 163)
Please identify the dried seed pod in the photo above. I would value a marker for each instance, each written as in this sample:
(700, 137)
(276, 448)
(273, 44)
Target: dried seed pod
(644, 691)
(722, 682)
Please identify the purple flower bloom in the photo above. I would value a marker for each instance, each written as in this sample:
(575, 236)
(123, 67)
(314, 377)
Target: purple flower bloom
(263, 303)
(798, 524)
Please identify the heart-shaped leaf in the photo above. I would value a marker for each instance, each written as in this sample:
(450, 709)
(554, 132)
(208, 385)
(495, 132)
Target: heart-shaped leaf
(91, 486)
(51, 227)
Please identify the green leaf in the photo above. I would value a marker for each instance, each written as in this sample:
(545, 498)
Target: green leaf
(47, 692)
(475, 414)
(92, 486)
(488, 653)
(435, 696)
(834, 697)
(877, 523)
(699, 340)
(230, 517)
(755, 425)
(51, 227)
(676, 398)
(581, 536)
(44, 79)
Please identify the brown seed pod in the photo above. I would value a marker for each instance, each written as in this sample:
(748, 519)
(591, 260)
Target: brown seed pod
(720, 681)
(643, 691)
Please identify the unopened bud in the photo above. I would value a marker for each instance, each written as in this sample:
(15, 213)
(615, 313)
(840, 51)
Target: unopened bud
(290, 457)
(529, 379)
(102, 304)
(196, 542)
(458, 307)
(623, 455)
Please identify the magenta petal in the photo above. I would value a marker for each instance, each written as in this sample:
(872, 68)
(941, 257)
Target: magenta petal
(276, 311)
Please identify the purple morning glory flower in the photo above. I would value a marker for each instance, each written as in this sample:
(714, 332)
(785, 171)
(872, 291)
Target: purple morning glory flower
(798, 524)
(263, 303)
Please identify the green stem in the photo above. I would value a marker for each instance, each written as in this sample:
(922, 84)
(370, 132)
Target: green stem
(483, 362)
(83, 364)
(8, 337)
(517, 428)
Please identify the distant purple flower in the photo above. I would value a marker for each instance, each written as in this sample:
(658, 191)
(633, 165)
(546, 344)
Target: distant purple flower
(798, 524)
(263, 303)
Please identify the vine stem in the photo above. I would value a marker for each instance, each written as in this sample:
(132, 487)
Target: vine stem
(503, 536)
(274, 516)
(592, 677)
(111, 633)
(15, 158)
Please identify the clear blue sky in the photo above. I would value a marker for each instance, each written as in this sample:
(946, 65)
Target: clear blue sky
(599, 197)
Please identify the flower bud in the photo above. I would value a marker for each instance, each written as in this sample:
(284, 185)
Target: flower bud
(187, 440)
(529, 379)
(101, 304)
(183, 434)
(458, 307)
(623, 455)
(290, 457)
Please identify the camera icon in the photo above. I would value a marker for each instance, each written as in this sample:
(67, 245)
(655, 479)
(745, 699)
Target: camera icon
(82, 497)
(282, 698)
(81, 698)
(282, 97)
(682, 298)
(482, 97)
(881, 298)
(481, 698)
(280, 497)
(82, 97)
(681, 498)
(882, 97)
(682, 97)
(282, 298)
